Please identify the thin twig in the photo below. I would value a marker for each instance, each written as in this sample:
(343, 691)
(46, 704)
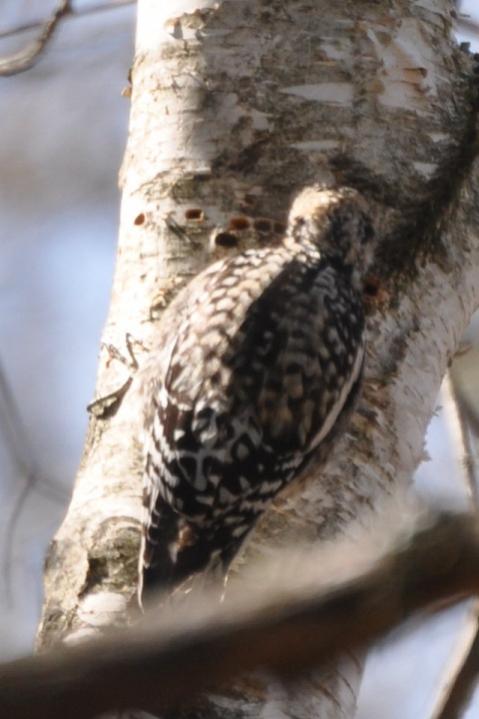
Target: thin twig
(461, 692)
(457, 694)
(464, 22)
(452, 681)
(84, 10)
(465, 394)
(464, 418)
(20, 451)
(26, 58)
(287, 621)
(19, 447)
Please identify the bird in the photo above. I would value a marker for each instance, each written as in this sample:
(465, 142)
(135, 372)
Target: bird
(255, 369)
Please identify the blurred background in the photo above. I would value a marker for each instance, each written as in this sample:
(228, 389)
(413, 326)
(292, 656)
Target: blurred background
(63, 131)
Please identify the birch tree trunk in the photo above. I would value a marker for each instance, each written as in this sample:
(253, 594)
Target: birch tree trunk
(236, 105)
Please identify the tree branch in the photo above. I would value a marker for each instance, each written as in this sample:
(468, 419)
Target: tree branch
(74, 12)
(466, 383)
(289, 621)
(18, 444)
(461, 692)
(26, 58)
(459, 688)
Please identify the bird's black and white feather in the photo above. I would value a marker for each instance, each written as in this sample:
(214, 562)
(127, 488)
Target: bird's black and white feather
(257, 363)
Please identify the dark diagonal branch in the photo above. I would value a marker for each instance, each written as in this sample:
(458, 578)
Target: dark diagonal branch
(74, 12)
(461, 692)
(26, 58)
(285, 620)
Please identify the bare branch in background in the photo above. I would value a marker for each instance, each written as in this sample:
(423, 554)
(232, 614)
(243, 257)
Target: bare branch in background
(451, 691)
(18, 445)
(465, 379)
(84, 10)
(457, 692)
(285, 619)
(464, 22)
(461, 692)
(466, 422)
(26, 58)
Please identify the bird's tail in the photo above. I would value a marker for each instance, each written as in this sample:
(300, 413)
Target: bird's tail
(174, 549)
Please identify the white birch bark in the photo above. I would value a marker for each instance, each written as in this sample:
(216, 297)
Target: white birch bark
(236, 105)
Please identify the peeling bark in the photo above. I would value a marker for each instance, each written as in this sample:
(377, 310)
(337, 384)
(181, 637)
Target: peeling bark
(236, 105)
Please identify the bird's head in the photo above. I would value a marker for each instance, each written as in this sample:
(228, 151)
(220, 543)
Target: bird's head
(337, 221)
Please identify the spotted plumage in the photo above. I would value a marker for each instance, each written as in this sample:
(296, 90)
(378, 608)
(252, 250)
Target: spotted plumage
(256, 366)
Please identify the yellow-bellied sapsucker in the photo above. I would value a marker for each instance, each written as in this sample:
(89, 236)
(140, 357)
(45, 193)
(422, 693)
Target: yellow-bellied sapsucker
(257, 364)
